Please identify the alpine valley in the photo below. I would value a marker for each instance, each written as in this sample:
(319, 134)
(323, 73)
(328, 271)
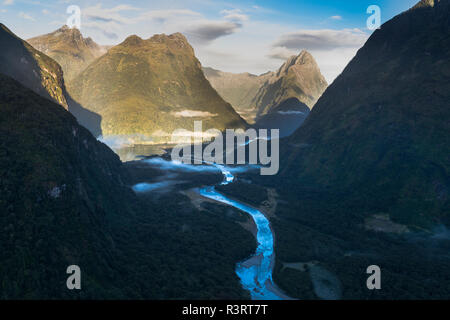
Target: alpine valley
(87, 177)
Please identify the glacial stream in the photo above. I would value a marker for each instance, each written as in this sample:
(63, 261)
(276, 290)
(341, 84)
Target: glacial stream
(255, 273)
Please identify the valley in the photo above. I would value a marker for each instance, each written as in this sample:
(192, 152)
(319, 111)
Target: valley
(164, 179)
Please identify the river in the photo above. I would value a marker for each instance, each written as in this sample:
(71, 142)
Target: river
(255, 273)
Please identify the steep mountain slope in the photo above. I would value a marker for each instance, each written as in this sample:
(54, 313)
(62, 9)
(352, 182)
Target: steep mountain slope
(238, 89)
(69, 48)
(63, 201)
(381, 131)
(30, 67)
(59, 188)
(287, 117)
(148, 88)
(299, 77)
(253, 96)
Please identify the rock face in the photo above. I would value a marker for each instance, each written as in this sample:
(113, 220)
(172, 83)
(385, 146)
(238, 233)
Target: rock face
(299, 78)
(148, 88)
(287, 117)
(238, 89)
(69, 48)
(253, 96)
(382, 129)
(65, 200)
(30, 67)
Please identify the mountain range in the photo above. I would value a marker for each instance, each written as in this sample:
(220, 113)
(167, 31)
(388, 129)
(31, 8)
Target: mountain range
(380, 131)
(69, 48)
(365, 179)
(145, 89)
(254, 96)
(65, 200)
(32, 68)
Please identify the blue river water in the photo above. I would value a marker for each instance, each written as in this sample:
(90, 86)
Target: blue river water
(255, 273)
(255, 277)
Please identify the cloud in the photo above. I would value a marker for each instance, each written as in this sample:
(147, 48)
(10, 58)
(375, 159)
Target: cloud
(324, 39)
(100, 14)
(281, 53)
(165, 15)
(203, 32)
(290, 112)
(111, 21)
(26, 16)
(8, 2)
(234, 15)
(336, 17)
(208, 31)
(105, 28)
(193, 114)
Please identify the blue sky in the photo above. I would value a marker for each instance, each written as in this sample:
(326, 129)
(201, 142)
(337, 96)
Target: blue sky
(235, 36)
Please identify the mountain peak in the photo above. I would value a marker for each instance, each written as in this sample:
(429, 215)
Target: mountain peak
(33, 69)
(158, 76)
(66, 29)
(69, 48)
(177, 39)
(132, 40)
(425, 3)
(164, 37)
(305, 58)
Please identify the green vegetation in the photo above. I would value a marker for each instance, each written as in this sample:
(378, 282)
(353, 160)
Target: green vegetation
(64, 200)
(326, 227)
(377, 142)
(150, 87)
(380, 133)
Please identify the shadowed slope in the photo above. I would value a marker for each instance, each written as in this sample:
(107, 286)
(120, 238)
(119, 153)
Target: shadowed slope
(381, 131)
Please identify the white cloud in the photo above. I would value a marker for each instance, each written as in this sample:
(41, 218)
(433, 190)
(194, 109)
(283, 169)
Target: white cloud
(8, 2)
(281, 53)
(26, 16)
(336, 17)
(325, 39)
(235, 15)
(165, 15)
(206, 31)
(99, 14)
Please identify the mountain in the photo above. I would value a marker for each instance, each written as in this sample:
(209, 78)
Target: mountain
(253, 96)
(238, 89)
(145, 89)
(59, 190)
(299, 77)
(30, 67)
(287, 117)
(381, 131)
(65, 200)
(69, 48)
